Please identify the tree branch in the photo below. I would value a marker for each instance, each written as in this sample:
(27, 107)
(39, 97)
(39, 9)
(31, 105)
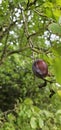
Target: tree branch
(25, 22)
(7, 30)
(29, 4)
(17, 51)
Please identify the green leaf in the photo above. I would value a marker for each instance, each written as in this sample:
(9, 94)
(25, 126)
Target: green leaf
(58, 112)
(58, 2)
(59, 93)
(28, 101)
(36, 109)
(11, 117)
(57, 14)
(55, 28)
(57, 49)
(33, 123)
(41, 123)
(47, 113)
(45, 128)
(57, 69)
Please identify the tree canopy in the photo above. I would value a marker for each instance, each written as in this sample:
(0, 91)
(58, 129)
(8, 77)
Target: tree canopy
(30, 30)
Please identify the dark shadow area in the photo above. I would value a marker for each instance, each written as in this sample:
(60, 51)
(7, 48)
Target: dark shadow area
(8, 97)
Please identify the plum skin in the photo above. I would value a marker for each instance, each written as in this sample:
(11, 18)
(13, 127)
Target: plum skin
(40, 68)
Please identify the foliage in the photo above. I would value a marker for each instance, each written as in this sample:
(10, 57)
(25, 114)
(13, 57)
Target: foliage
(30, 30)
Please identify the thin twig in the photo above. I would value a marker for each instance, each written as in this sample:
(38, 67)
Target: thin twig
(7, 29)
(17, 51)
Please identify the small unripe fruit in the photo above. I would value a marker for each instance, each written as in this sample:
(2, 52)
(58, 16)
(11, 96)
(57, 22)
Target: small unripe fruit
(40, 68)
